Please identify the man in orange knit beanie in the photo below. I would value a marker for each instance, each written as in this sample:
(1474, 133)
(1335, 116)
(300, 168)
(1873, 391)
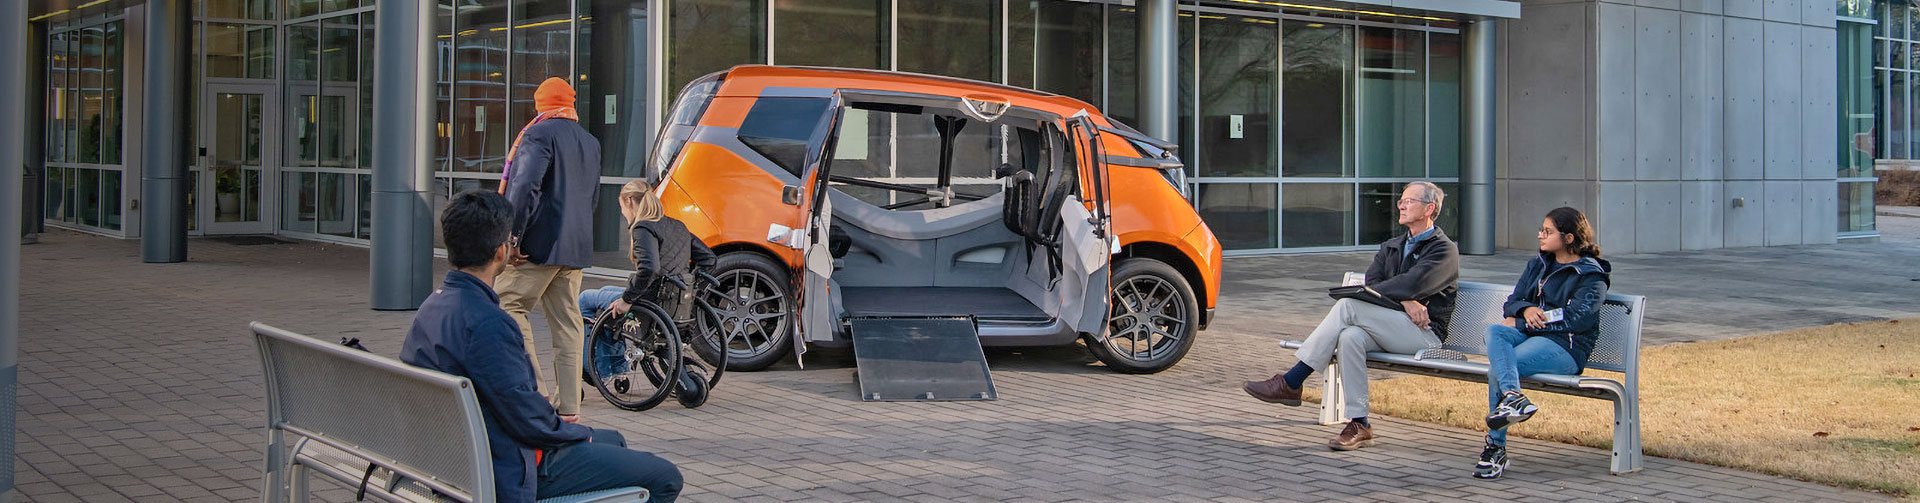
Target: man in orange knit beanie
(551, 178)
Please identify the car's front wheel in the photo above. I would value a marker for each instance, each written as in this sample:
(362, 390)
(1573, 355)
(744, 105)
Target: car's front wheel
(1153, 318)
(754, 309)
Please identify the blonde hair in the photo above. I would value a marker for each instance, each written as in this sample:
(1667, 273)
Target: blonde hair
(639, 203)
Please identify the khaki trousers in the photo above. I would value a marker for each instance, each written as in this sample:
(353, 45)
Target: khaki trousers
(556, 289)
(1351, 330)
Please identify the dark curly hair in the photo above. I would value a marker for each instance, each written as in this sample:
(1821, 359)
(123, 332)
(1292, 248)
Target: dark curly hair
(1571, 222)
(475, 224)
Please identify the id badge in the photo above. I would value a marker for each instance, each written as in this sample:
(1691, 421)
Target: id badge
(1555, 316)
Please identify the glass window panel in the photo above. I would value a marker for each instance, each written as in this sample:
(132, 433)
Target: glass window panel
(542, 36)
(365, 126)
(1392, 103)
(1443, 102)
(480, 92)
(364, 229)
(610, 231)
(110, 199)
(1318, 99)
(843, 33)
(57, 57)
(1056, 47)
(241, 9)
(443, 87)
(1897, 20)
(302, 117)
(75, 74)
(297, 203)
(1378, 216)
(1905, 93)
(335, 196)
(1449, 219)
(59, 204)
(302, 8)
(335, 144)
(1882, 134)
(959, 38)
(339, 63)
(1123, 65)
(339, 50)
(1856, 207)
(111, 103)
(611, 62)
(1238, 96)
(92, 55)
(1856, 118)
(780, 129)
(87, 190)
(865, 148)
(240, 50)
(1184, 83)
(706, 36)
(193, 196)
(1317, 214)
(1242, 215)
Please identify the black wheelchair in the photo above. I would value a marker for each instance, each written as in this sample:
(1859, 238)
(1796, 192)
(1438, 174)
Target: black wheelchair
(669, 346)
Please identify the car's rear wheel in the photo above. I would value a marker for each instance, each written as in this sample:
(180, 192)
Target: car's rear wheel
(754, 308)
(1153, 318)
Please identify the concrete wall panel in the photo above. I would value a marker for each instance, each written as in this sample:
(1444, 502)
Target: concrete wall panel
(1820, 215)
(1748, 9)
(1819, 105)
(1656, 228)
(1702, 112)
(1657, 76)
(1783, 213)
(1783, 121)
(1702, 215)
(1549, 132)
(1744, 99)
(1817, 13)
(1746, 210)
(1616, 91)
(1781, 11)
(1702, 6)
(1659, 4)
(1529, 200)
(1615, 216)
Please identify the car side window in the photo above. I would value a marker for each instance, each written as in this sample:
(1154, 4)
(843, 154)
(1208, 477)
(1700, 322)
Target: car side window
(780, 128)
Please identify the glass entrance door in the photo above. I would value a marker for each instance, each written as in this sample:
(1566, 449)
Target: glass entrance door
(235, 162)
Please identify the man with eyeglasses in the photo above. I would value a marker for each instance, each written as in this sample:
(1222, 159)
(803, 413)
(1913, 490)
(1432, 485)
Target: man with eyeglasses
(1419, 270)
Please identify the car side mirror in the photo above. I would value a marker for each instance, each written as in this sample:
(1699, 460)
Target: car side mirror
(790, 194)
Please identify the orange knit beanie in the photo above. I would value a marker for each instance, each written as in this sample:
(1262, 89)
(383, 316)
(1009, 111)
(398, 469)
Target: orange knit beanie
(553, 93)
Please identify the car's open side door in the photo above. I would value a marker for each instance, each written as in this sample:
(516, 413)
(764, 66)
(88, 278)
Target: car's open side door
(816, 321)
(1096, 255)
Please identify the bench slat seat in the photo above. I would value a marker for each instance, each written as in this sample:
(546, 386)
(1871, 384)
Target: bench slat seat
(1479, 306)
(404, 434)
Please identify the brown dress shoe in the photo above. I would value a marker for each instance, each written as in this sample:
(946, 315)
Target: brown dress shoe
(1354, 437)
(1273, 390)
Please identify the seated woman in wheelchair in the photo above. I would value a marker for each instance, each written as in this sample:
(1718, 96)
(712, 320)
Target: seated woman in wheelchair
(661, 247)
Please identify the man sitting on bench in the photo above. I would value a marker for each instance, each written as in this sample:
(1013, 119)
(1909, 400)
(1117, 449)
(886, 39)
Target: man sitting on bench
(1419, 271)
(461, 330)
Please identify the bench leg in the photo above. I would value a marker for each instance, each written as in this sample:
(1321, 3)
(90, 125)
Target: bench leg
(274, 483)
(1626, 435)
(1333, 409)
(299, 487)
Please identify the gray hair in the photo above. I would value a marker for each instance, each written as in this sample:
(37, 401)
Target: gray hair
(1431, 194)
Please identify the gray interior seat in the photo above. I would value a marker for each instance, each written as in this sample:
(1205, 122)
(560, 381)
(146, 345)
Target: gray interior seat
(916, 225)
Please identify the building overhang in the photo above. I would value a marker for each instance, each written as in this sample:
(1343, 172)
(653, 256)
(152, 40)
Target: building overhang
(1428, 10)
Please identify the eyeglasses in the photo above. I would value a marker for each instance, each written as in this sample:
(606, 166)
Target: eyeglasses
(1405, 201)
(1548, 231)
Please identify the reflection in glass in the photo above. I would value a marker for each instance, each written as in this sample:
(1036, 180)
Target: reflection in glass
(1443, 103)
(1378, 216)
(87, 191)
(297, 205)
(339, 63)
(542, 34)
(364, 227)
(92, 41)
(58, 205)
(1238, 60)
(1056, 47)
(302, 119)
(1392, 103)
(1856, 103)
(706, 36)
(244, 9)
(334, 198)
(842, 33)
(480, 96)
(239, 50)
(57, 58)
(110, 198)
(612, 60)
(1123, 66)
(1242, 215)
(110, 99)
(365, 126)
(1856, 207)
(1317, 99)
(958, 38)
(71, 105)
(1317, 214)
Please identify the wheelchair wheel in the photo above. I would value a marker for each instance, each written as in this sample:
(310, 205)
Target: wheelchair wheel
(631, 355)
(705, 340)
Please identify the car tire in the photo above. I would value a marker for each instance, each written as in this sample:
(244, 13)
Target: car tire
(748, 273)
(1169, 321)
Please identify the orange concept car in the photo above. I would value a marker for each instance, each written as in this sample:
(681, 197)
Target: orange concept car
(835, 194)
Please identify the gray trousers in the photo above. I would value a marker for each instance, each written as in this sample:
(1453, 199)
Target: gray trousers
(1351, 330)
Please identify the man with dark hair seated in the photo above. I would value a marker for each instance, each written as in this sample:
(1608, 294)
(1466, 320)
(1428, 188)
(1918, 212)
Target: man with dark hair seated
(461, 330)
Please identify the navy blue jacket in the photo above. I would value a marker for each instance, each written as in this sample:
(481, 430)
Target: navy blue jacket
(462, 331)
(552, 184)
(1579, 289)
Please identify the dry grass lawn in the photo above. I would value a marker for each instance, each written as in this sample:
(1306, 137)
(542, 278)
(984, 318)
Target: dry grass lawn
(1838, 404)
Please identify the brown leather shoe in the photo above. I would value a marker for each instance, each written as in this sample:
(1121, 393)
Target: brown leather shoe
(1273, 390)
(1354, 437)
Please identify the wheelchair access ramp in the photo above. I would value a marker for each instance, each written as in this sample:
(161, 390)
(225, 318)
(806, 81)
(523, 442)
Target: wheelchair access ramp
(920, 359)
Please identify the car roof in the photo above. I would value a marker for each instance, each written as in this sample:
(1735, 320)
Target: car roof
(749, 80)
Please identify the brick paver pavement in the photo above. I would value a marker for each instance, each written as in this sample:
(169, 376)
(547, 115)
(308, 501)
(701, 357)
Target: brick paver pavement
(139, 382)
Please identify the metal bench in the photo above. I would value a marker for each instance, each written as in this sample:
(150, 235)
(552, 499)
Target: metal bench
(1478, 306)
(382, 427)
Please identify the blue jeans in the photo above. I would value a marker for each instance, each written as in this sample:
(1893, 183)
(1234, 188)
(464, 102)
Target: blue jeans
(610, 359)
(1511, 354)
(607, 463)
